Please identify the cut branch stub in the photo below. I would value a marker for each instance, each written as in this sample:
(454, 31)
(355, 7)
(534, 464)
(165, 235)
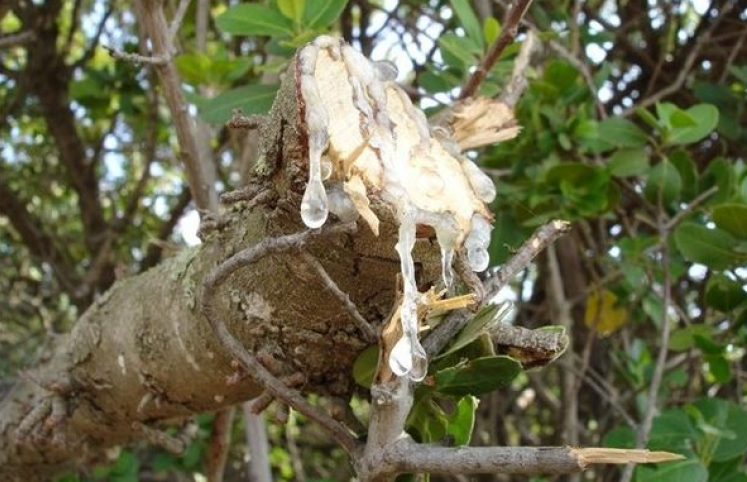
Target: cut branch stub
(367, 142)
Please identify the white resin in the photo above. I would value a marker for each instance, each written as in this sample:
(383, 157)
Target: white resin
(481, 182)
(386, 71)
(412, 175)
(341, 205)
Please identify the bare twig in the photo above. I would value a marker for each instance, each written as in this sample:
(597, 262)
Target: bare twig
(455, 321)
(518, 81)
(160, 438)
(220, 443)
(176, 22)
(263, 376)
(406, 456)
(682, 213)
(329, 284)
(692, 57)
(540, 239)
(508, 33)
(661, 359)
(256, 440)
(240, 121)
(136, 58)
(562, 310)
(17, 38)
(151, 16)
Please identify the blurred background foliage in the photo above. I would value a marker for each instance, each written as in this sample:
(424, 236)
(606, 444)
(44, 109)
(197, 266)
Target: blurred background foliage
(634, 129)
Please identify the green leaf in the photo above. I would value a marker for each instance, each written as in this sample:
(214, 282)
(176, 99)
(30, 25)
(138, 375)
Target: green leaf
(711, 247)
(684, 338)
(322, 13)
(293, 9)
(664, 182)
(364, 367)
(478, 325)
(732, 218)
(724, 294)
(647, 117)
(673, 430)
(689, 470)
(194, 67)
(479, 376)
(719, 174)
(703, 116)
(469, 21)
(254, 19)
(629, 162)
(457, 51)
(462, 422)
(491, 29)
(251, 99)
(730, 420)
(621, 133)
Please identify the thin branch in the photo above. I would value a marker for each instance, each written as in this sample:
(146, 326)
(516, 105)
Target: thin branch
(136, 58)
(682, 213)
(540, 239)
(661, 359)
(263, 376)
(562, 309)
(14, 39)
(151, 16)
(176, 22)
(220, 443)
(455, 321)
(508, 33)
(702, 40)
(406, 456)
(256, 440)
(329, 284)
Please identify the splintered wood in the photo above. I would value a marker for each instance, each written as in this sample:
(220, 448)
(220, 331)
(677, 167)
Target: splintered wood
(366, 139)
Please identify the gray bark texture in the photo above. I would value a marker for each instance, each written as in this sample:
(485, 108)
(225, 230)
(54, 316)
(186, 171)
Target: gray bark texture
(143, 355)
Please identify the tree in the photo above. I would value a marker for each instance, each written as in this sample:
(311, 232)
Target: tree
(632, 131)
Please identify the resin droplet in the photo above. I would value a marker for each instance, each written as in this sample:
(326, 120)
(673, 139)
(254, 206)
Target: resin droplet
(341, 205)
(325, 168)
(314, 209)
(386, 71)
(478, 258)
(480, 182)
(408, 357)
(447, 272)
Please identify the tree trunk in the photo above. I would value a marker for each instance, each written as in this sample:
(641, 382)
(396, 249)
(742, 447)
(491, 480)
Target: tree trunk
(143, 355)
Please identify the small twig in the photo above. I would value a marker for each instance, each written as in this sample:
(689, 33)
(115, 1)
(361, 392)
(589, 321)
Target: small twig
(17, 38)
(518, 81)
(239, 121)
(692, 57)
(136, 58)
(644, 429)
(343, 412)
(682, 213)
(255, 431)
(508, 33)
(329, 284)
(176, 22)
(160, 438)
(220, 442)
(540, 239)
(272, 384)
(562, 310)
(406, 456)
